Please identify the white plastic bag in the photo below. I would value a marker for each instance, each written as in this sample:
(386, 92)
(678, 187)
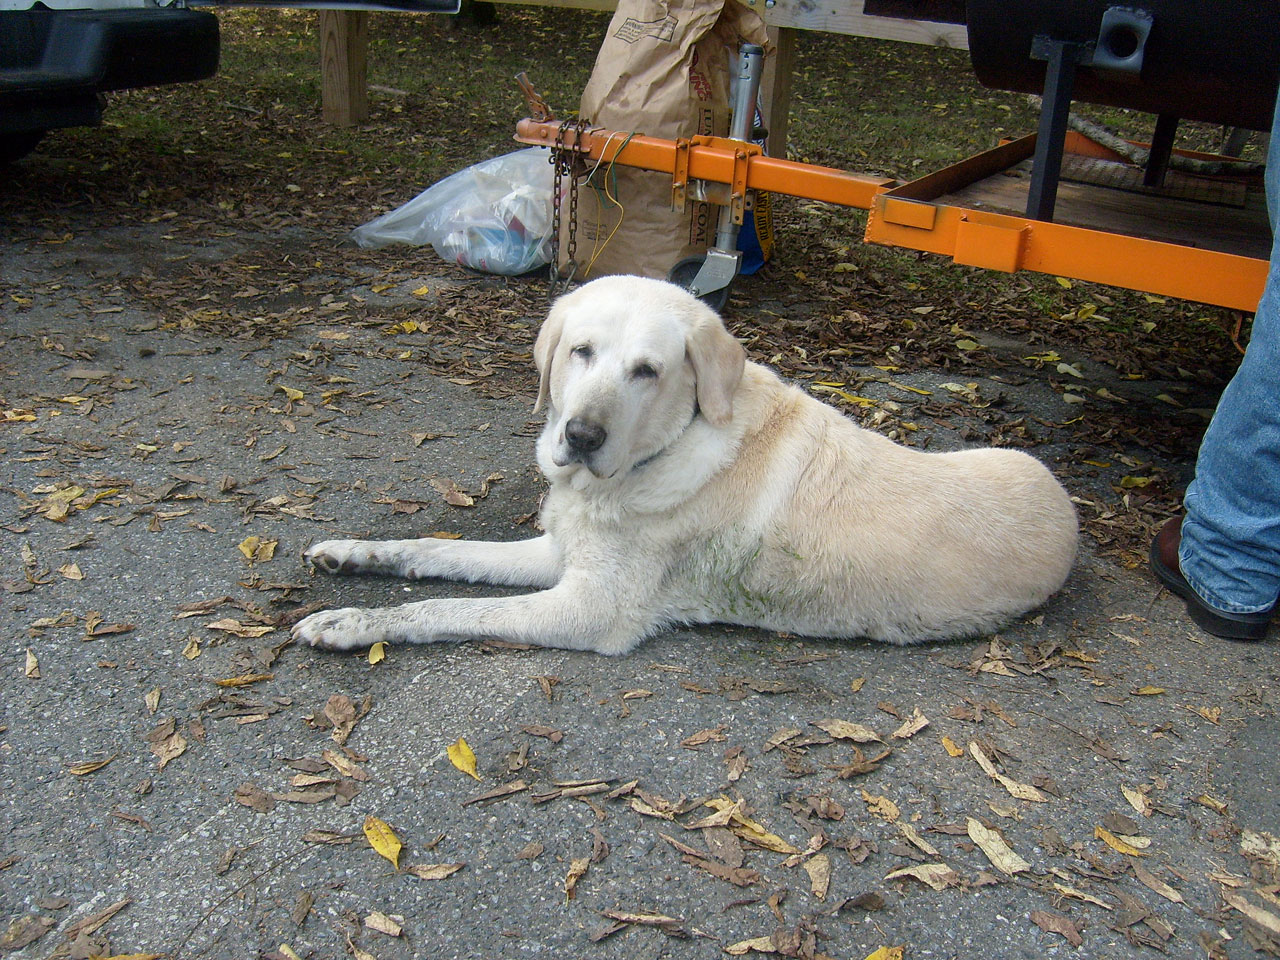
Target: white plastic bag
(494, 216)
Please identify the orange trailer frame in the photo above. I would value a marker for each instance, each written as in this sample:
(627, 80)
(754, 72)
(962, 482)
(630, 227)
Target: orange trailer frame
(922, 214)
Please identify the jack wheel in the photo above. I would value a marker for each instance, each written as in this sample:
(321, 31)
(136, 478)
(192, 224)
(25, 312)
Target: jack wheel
(683, 274)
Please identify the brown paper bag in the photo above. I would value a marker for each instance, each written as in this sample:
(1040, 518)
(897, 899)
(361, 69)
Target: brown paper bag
(662, 71)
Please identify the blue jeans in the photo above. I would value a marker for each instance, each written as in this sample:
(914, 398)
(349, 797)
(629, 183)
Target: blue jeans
(1230, 552)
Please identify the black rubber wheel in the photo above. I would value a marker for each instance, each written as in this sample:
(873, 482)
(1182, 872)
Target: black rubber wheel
(15, 146)
(682, 275)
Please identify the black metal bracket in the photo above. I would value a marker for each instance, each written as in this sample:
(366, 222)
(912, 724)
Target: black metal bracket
(1062, 58)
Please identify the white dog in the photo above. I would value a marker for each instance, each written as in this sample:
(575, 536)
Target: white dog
(688, 486)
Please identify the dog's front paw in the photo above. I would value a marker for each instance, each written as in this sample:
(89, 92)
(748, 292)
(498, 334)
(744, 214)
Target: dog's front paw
(347, 629)
(338, 556)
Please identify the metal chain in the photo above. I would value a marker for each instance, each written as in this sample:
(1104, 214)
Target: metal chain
(570, 162)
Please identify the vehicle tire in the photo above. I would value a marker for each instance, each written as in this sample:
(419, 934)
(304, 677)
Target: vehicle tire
(15, 146)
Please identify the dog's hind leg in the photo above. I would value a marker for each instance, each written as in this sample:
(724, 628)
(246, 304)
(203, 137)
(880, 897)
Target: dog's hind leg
(520, 563)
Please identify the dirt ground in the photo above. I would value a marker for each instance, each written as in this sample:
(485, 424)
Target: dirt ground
(201, 377)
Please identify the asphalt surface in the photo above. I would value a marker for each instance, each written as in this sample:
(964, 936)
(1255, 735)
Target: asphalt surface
(150, 810)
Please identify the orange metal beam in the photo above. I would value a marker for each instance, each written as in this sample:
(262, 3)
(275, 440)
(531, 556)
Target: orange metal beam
(999, 242)
(714, 162)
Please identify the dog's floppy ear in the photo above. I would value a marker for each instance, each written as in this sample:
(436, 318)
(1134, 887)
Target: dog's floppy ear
(718, 360)
(544, 348)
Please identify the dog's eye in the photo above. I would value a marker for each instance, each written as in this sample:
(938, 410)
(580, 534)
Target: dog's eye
(644, 371)
(583, 351)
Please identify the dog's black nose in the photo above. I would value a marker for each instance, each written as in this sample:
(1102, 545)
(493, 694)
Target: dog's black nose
(584, 437)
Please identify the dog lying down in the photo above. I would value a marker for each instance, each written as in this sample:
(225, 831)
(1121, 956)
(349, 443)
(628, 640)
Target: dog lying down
(689, 486)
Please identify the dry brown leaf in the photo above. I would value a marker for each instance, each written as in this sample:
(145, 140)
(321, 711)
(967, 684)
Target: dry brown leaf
(1152, 882)
(754, 945)
(169, 749)
(1264, 918)
(939, 876)
(24, 931)
(1138, 800)
(1075, 894)
(997, 851)
(917, 722)
(882, 807)
(383, 924)
(917, 841)
(845, 730)
(238, 629)
(819, 869)
(255, 798)
(1259, 845)
(245, 680)
(577, 870)
(344, 765)
(434, 871)
(1021, 791)
(1055, 923)
(32, 668)
(90, 766)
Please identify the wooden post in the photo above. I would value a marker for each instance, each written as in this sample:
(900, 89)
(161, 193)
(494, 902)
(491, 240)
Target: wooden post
(344, 48)
(775, 89)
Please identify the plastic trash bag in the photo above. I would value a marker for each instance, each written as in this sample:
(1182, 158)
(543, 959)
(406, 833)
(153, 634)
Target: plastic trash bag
(494, 216)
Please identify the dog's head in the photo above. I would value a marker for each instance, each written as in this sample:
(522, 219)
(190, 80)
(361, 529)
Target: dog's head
(625, 365)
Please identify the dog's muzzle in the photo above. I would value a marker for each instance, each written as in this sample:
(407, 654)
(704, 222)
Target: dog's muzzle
(584, 437)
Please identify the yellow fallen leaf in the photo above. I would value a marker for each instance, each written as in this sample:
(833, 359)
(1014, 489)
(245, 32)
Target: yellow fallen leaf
(952, 749)
(461, 756)
(377, 653)
(1148, 691)
(1115, 843)
(257, 550)
(293, 393)
(1064, 283)
(887, 953)
(383, 839)
(421, 291)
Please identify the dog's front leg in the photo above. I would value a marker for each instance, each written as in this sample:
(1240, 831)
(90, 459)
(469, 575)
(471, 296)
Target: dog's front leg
(520, 563)
(579, 613)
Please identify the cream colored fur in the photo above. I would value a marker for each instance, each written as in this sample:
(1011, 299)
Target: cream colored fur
(721, 494)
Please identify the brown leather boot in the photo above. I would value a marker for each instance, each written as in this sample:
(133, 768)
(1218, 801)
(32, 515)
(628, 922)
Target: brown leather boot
(1232, 626)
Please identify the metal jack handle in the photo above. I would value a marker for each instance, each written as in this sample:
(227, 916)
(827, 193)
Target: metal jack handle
(723, 261)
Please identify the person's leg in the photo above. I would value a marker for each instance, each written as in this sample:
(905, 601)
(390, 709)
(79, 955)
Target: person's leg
(1230, 545)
